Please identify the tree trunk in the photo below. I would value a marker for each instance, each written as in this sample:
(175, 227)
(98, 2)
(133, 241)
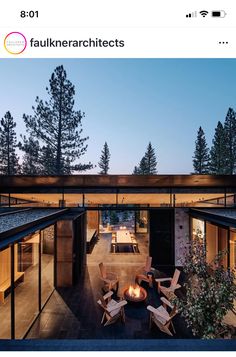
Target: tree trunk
(58, 162)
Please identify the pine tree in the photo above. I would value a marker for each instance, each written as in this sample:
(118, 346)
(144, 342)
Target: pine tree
(31, 160)
(143, 167)
(218, 151)
(201, 154)
(9, 161)
(104, 160)
(67, 166)
(148, 163)
(57, 126)
(114, 219)
(47, 161)
(125, 216)
(136, 170)
(230, 142)
(150, 160)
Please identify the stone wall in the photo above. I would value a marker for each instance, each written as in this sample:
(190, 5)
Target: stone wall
(182, 234)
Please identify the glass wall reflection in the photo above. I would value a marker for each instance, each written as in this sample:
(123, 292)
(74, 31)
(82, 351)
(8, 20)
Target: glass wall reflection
(223, 246)
(26, 294)
(47, 263)
(198, 229)
(5, 293)
(232, 248)
(211, 241)
(141, 221)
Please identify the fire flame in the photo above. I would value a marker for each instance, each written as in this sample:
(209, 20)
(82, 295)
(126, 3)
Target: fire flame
(134, 292)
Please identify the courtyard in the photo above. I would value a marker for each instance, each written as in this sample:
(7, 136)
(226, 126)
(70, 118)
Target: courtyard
(73, 313)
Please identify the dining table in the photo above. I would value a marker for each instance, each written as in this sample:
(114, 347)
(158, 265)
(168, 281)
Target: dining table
(124, 238)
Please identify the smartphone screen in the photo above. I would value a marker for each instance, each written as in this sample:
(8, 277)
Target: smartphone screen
(117, 175)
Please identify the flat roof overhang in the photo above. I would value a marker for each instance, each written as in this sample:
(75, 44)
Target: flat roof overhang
(215, 215)
(113, 182)
(18, 232)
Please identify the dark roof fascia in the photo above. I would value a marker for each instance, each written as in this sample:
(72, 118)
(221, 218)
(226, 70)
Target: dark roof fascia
(117, 181)
(72, 214)
(213, 217)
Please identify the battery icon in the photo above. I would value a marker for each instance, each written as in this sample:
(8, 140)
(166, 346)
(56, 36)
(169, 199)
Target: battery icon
(219, 13)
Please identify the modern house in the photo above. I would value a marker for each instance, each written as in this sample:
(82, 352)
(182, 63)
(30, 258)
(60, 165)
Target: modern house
(48, 223)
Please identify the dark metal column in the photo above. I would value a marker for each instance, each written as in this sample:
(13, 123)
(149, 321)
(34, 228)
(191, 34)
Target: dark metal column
(55, 255)
(12, 292)
(39, 272)
(171, 198)
(228, 246)
(117, 197)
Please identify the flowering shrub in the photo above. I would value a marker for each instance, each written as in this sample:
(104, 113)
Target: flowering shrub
(210, 292)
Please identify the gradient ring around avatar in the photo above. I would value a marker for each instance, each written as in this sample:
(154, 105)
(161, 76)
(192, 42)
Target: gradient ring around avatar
(15, 43)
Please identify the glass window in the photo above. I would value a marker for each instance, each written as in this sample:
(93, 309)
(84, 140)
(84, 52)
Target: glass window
(5, 294)
(223, 245)
(4, 200)
(230, 197)
(36, 199)
(26, 293)
(47, 262)
(232, 249)
(198, 228)
(199, 199)
(211, 241)
(141, 221)
(73, 199)
(145, 199)
(98, 199)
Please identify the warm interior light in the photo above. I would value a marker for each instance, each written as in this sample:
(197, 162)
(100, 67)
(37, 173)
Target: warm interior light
(134, 291)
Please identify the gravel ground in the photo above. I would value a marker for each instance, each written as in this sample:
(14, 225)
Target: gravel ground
(19, 219)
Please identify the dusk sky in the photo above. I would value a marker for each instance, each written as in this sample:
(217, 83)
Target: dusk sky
(129, 102)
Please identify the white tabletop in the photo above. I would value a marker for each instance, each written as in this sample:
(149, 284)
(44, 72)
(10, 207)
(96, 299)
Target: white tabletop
(123, 236)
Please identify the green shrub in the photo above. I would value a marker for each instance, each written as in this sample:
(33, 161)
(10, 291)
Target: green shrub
(210, 292)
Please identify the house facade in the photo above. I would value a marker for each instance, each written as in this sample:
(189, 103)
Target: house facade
(45, 223)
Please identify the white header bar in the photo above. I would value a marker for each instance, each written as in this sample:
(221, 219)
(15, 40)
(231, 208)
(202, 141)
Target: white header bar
(125, 43)
(118, 29)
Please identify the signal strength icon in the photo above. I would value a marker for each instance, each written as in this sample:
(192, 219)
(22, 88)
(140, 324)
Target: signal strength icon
(203, 13)
(192, 14)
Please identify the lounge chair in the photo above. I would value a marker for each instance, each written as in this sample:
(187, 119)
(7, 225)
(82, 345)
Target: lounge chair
(173, 284)
(110, 279)
(162, 318)
(113, 310)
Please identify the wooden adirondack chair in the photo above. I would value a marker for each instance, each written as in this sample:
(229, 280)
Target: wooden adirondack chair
(142, 272)
(110, 279)
(147, 267)
(173, 284)
(162, 318)
(113, 310)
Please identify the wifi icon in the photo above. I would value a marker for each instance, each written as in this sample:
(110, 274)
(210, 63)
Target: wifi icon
(203, 13)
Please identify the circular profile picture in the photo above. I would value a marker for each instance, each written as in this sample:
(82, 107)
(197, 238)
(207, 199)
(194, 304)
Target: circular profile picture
(15, 43)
